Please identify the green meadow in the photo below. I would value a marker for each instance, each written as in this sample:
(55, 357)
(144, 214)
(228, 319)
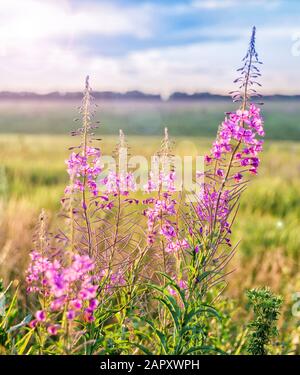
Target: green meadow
(187, 119)
(34, 144)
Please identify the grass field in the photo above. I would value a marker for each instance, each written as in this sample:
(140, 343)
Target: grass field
(33, 174)
(32, 177)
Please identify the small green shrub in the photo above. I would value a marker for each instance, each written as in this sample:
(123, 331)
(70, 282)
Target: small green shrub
(266, 307)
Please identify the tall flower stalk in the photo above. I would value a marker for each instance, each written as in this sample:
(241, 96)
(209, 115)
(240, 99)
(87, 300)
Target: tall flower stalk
(233, 156)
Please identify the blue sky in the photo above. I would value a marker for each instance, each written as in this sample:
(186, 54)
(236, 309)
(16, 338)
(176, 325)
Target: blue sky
(150, 45)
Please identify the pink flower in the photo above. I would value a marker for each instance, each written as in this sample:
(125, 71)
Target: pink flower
(88, 316)
(93, 304)
(33, 323)
(177, 245)
(182, 284)
(40, 316)
(76, 304)
(243, 127)
(253, 170)
(70, 314)
(86, 168)
(52, 330)
(61, 285)
(238, 177)
(57, 304)
(172, 291)
(214, 206)
(207, 159)
(116, 183)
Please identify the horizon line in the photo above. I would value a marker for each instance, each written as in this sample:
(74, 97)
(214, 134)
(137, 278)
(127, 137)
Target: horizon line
(131, 94)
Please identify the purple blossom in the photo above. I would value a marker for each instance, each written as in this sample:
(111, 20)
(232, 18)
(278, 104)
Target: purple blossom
(214, 206)
(84, 167)
(71, 284)
(238, 177)
(52, 329)
(70, 314)
(41, 316)
(243, 128)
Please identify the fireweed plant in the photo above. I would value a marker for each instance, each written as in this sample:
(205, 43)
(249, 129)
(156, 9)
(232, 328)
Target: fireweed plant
(129, 274)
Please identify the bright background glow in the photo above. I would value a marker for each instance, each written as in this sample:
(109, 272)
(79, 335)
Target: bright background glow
(154, 46)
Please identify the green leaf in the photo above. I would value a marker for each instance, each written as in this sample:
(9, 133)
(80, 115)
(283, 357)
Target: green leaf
(204, 275)
(210, 309)
(22, 344)
(9, 310)
(171, 311)
(160, 335)
(175, 286)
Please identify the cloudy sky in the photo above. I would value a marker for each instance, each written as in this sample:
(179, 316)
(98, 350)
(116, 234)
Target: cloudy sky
(150, 45)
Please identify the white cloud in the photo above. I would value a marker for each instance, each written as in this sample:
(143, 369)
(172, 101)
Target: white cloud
(38, 39)
(30, 21)
(163, 70)
(213, 4)
(196, 67)
(222, 4)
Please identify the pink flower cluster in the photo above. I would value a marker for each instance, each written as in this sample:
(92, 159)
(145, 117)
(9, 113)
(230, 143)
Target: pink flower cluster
(242, 127)
(159, 209)
(114, 184)
(214, 208)
(86, 167)
(162, 209)
(170, 233)
(122, 183)
(165, 181)
(68, 287)
(182, 285)
(238, 136)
